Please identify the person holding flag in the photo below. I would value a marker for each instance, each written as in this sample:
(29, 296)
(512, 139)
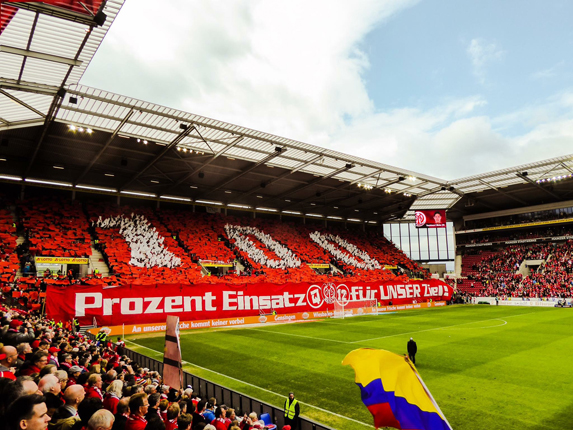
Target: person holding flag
(394, 392)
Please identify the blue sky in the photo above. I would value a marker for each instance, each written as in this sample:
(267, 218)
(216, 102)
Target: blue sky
(420, 57)
(446, 88)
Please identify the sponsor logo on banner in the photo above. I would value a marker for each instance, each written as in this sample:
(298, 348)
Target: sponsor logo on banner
(229, 322)
(61, 260)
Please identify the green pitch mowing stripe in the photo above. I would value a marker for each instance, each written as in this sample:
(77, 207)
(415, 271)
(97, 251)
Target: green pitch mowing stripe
(488, 367)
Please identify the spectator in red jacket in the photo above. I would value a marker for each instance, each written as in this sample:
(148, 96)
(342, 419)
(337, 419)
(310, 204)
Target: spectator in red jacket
(94, 386)
(138, 405)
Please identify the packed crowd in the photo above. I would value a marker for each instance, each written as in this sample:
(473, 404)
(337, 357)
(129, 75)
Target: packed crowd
(54, 227)
(144, 241)
(284, 257)
(143, 245)
(497, 273)
(52, 377)
(348, 253)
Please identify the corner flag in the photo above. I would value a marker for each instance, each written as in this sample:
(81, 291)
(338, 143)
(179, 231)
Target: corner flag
(172, 374)
(394, 392)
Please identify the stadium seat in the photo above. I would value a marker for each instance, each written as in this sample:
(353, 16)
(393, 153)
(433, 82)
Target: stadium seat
(266, 418)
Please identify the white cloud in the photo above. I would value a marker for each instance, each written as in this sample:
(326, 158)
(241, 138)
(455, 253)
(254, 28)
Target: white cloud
(296, 69)
(548, 73)
(453, 140)
(482, 54)
(292, 68)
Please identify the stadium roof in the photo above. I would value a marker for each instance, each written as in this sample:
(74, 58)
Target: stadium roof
(140, 147)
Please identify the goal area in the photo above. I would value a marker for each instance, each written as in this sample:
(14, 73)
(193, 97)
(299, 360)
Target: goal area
(355, 308)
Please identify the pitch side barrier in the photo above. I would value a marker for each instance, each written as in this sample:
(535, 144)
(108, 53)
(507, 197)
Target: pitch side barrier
(241, 402)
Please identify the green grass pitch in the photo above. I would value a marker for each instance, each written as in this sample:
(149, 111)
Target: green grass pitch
(488, 367)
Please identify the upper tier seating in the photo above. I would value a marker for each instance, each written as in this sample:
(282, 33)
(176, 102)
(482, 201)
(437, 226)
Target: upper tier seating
(55, 228)
(142, 268)
(9, 263)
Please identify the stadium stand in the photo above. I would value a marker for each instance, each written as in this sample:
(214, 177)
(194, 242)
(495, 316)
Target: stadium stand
(55, 227)
(150, 247)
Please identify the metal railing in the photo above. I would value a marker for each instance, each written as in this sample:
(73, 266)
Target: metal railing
(239, 401)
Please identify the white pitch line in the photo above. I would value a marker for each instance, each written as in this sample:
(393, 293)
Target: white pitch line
(385, 337)
(297, 335)
(255, 386)
(436, 328)
(486, 326)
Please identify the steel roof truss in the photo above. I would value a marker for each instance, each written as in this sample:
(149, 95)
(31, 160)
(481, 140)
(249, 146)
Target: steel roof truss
(104, 147)
(57, 12)
(535, 184)
(20, 102)
(39, 55)
(209, 161)
(249, 169)
(501, 192)
(28, 46)
(52, 112)
(283, 176)
(313, 182)
(159, 156)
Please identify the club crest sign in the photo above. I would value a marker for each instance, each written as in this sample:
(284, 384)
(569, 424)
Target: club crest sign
(329, 294)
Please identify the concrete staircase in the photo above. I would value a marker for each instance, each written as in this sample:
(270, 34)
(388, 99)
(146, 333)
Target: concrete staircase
(19, 241)
(97, 262)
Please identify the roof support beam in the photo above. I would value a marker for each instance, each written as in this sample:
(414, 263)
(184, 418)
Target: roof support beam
(382, 186)
(268, 158)
(104, 147)
(501, 192)
(20, 102)
(206, 163)
(40, 55)
(28, 87)
(159, 156)
(30, 37)
(251, 134)
(566, 167)
(348, 166)
(284, 175)
(341, 187)
(535, 184)
(52, 112)
(59, 12)
(22, 124)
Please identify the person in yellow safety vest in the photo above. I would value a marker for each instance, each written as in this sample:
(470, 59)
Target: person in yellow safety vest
(60, 324)
(101, 337)
(292, 411)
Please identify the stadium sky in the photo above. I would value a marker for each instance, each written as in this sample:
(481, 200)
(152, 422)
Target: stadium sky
(448, 88)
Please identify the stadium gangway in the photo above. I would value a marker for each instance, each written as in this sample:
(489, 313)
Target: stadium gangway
(234, 399)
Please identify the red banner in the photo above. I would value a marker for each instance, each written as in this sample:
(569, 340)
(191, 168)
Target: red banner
(137, 304)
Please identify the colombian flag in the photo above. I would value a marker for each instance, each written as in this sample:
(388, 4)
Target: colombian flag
(394, 392)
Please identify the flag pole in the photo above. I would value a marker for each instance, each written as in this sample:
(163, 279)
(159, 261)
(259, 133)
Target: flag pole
(427, 390)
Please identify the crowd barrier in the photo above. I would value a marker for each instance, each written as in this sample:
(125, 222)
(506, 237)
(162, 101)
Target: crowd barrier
(206, 389)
